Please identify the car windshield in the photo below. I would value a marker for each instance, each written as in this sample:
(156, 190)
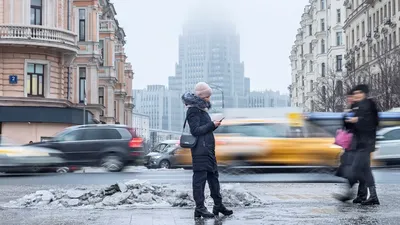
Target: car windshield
(169, 148)
(5, 141)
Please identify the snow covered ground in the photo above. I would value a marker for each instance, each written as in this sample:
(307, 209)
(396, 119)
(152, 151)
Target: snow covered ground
(133, 193)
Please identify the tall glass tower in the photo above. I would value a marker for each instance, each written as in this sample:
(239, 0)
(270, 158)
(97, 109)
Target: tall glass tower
(209, 51)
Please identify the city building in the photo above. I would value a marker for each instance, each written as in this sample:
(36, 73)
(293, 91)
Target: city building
(141, 124)
(164, 107)
(61, 64)
(209, 51)
(263, 99)
(318, 50)
(371, 30)
(157, 136)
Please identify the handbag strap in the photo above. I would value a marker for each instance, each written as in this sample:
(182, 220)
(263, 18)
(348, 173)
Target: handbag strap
(184, 125)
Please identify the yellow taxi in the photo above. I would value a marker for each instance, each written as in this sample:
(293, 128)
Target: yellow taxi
(289, 141)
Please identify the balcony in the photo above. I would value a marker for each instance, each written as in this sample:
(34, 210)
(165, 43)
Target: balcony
(107, 26)
(38, 36)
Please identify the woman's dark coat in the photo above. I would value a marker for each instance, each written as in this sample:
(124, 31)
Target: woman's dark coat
(202, 127)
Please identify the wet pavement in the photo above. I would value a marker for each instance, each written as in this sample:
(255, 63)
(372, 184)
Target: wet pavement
(300, 204)
(387, 176)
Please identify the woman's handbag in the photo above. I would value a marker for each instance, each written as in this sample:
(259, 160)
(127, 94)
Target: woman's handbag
(187, 140)
(343, 139)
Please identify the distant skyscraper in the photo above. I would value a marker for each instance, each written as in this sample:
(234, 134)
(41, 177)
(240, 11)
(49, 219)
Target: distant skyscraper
(210, 51)
(164, 107)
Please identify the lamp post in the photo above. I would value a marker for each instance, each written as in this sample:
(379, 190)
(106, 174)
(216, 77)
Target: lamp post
(219, 88)
(84, 105)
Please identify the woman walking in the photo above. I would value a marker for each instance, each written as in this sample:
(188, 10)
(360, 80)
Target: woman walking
(203, 153)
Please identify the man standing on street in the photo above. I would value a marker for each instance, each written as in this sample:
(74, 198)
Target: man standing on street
(365, 122)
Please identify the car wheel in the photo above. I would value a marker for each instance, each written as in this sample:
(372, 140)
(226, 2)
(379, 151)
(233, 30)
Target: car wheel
(62, 170)
(165, 164)
(112, 163)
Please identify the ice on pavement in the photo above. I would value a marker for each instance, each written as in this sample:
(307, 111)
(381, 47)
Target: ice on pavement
(134, 193)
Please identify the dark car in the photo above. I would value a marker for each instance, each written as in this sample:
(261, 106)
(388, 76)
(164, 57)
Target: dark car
(110, 146)
(162, 155)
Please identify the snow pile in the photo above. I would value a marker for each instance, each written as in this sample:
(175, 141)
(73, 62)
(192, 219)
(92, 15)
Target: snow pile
(134, 193)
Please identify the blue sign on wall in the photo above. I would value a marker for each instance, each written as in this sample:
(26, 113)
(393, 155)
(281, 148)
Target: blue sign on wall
(13, 79)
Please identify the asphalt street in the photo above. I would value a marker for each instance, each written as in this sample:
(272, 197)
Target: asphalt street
(293, 198)
(98, 177)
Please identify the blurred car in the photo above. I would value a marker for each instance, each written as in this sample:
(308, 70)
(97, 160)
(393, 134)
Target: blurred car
(274, 143)
(162, 155)
(388, 146)
(17, 158)
(110, 146)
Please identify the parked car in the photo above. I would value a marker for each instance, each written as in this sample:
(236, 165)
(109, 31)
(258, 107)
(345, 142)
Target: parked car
(17, 158)
(388, 146)
(110, 146)
(162, 155)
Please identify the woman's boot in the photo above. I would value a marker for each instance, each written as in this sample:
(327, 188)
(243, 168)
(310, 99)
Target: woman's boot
(222, 209)
(373, 197)
(202, 212)
(362, 194)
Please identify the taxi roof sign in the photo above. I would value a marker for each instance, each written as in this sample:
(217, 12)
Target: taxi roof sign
(295, 119)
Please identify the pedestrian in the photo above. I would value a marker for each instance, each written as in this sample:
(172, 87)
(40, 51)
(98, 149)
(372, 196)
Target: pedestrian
(204, 162)
(347, 158)
(31, 142)
(365, 122)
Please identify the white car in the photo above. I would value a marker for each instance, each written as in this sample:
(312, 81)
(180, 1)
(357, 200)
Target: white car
(19, 158)
(388, 146)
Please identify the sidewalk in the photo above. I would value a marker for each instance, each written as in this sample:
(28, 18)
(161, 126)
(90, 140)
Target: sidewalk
(277, 214)
(301, 204)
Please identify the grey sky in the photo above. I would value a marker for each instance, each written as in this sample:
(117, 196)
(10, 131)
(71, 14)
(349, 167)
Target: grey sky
(267, 29)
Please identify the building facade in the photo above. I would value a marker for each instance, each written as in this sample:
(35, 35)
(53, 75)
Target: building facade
(141, 124)
(371, 30)
(164, 107)
(54, 58)
(318, 51)
(264, 99)
(209, 51)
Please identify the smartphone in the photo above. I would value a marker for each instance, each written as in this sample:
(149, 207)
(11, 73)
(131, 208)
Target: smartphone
(222, 119)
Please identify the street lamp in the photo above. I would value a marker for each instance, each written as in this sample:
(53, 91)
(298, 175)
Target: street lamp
(219, 88)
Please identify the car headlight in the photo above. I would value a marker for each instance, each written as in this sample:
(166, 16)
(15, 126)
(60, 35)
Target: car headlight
(156, 157)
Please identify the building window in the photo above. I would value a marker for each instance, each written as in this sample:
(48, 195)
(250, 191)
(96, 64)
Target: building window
(322, 46)
(369, 24)
(311, 85)
(82, 84)
(363, 56)
(115, 110)
(338, 16)
(394, 7)
(82, 25)
(339, 38)
(358, 32)
(101, 47)
(35, 80)
(322, 4)
(394, 39)
(362, 29)
(310, 30)
(101, 99)
(322, 24)
(339, 63)
(311, 66)
(385, 11)
(389, 8)
(352, 37)
(323, 69)
(36, 12)
(310, 46)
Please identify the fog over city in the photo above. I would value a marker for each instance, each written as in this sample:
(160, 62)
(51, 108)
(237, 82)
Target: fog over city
(267, 30)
